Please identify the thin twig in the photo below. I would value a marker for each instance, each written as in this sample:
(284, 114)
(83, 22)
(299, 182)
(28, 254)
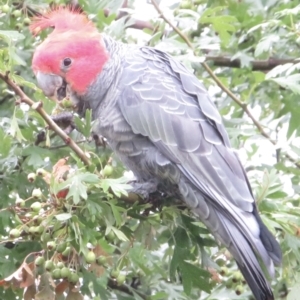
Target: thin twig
(242, 104)
(38, 107)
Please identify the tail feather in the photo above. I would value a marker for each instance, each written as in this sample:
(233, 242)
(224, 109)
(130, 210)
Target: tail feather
(244, 250)
(269, 241)
(248, 263)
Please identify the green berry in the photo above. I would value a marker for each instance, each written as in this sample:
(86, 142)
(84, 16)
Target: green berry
(229, 284)
(51, 245)
(61, 247)
(49, 265)
(110, 236)
(237, 277)
(37, 220)
(56, 274)
(60, 265)
(41, 172)
(37, 193)
(121, 279)
(197, 2)
(115, 273)
(223, 271)
(90, 257)
(20, 202)
(26, 21)
(107, 171)
(31, 177)
(19, 26)
(32, 229)
(186, 4)
(66, 103)
(5, 8)
(101, 260)
(36, 206)
(239, 289)
(16, 13)
(39, 261)
(65, 272)
(14, 233)
(38, 230)
(73, 277)
(46, 237)
(66, 252)
(220, 262)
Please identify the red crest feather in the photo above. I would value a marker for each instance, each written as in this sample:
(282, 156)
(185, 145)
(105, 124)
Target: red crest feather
(62, 18)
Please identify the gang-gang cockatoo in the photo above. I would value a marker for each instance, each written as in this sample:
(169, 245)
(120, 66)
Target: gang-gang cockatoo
(160, 121)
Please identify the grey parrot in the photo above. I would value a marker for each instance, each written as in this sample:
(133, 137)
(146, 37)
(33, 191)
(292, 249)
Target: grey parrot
(160, 121)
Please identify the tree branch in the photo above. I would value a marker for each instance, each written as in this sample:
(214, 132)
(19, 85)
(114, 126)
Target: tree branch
(242, 104)
(38, 107)
(256, 65)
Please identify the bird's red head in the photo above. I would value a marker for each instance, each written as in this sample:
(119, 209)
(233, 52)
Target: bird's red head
(73, 52)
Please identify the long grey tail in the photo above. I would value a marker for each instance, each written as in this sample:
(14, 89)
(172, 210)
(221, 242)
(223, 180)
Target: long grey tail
(245, 250)
(245, 236)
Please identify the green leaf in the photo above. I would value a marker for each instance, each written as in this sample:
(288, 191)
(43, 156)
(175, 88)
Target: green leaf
(291, 82)
(5, 145)
(121, 236)
(15, 129)
(63, 217)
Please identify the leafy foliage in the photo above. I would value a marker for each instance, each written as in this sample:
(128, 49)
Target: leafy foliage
(69, 231)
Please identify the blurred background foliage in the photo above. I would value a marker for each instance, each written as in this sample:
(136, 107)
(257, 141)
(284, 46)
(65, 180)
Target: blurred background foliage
(66, 232)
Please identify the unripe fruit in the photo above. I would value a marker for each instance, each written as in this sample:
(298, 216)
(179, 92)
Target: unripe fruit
(39, 261)
(223, 271)
(5, 8)
(121, 279)
(101, 260)
(26, 21)
(66, 103)
(229, 284)
(60, 265)
(29, 215)
(31, 177)
(36, 206)
(46, 237)
(20, 202)
(19, 26)
(61, 247)
(37, 220)
(37, 193)
(110, 236)
(41, 172)
(239, 289)
(56, 274)
(16, 13)
(49, 265)
(115, 273)
(51, 245)
(66, 252)
(73, 278)
(65, 272)
(90, 257)
(38, 230)
(220, 262)
(32, 229)
(186, 4)
(107, 171)
(237, 276)
(14, 233)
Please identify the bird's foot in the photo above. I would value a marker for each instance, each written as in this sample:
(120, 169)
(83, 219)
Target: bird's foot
(144, 189)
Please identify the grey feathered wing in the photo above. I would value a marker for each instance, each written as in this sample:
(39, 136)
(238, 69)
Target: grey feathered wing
(162, 100)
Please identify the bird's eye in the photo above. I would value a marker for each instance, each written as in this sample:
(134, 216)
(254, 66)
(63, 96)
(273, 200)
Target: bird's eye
(67, 62)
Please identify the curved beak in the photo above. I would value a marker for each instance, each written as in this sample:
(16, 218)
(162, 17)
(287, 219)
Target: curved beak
(53, 86)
